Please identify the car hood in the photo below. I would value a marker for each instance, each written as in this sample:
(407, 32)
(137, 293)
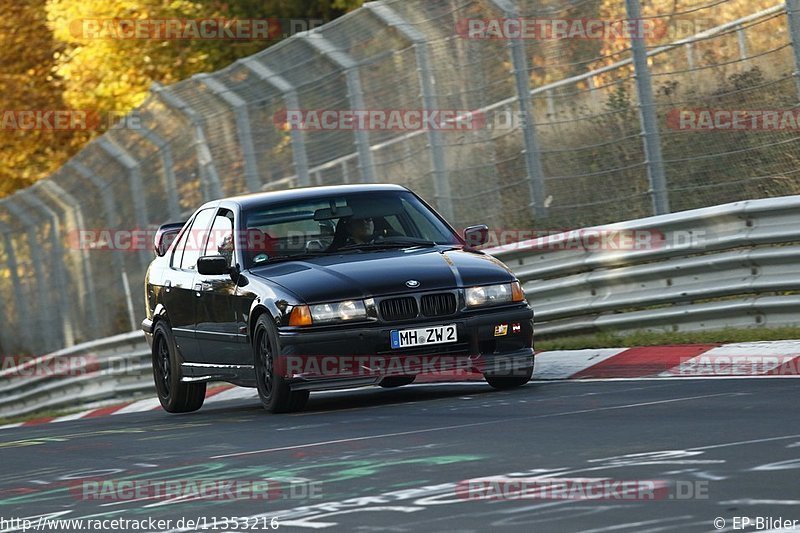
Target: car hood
(375, 273)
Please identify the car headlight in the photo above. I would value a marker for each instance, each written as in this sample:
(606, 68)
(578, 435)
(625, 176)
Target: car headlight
(494, 294)
(345, 311)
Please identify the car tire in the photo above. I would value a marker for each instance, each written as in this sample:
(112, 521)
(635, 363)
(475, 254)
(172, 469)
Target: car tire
(175, 396)
(396, 381)
(273, 389)
(500, 381)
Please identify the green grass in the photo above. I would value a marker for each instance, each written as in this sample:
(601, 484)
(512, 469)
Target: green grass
(650, 338)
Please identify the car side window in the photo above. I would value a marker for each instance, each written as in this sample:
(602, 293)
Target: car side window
(177, 251)
(196, 239)
(220, 239)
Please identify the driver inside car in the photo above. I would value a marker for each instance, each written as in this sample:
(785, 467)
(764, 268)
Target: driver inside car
(360, 230)
(357, 230)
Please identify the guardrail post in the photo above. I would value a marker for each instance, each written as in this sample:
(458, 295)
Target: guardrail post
(647, 115)
(346, 63)
(132, 166)
(281, 84)
(532, 151)
(70, 206)
(444, 197)
(793, 15)
(168, 164)
(209, 178)
(21, 305)
(243, 129)
(37, 258)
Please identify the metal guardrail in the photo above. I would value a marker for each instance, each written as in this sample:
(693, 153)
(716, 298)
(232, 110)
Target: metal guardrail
(101, 370)
(711, 268)
(707, 269)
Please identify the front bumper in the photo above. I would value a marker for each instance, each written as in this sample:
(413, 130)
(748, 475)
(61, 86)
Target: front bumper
(329, 358)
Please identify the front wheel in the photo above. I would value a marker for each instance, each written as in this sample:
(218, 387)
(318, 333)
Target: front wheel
(175, 395)
(510, 381)
(273, 390)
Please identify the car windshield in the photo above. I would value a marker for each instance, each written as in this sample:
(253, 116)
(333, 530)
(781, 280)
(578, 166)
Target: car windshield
(343, 223)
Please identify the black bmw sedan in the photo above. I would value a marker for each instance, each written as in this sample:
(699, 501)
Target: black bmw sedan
(326, 288)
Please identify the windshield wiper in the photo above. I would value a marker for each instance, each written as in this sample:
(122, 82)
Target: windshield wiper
(384, 245)
(280, 258)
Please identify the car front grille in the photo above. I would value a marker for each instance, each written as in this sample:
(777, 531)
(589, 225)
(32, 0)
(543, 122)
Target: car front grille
(441, 304)
(399, 308)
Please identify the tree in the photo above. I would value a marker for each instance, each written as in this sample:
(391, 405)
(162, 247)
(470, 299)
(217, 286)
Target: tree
(51, 61)
(27, 82)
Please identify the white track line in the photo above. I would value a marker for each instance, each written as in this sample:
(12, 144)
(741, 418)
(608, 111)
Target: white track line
(462, 426)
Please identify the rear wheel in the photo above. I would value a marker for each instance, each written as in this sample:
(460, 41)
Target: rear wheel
(273, 390)
(174, 395)
(509, 381)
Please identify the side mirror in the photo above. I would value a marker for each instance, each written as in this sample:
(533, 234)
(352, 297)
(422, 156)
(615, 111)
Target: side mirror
(213, 265)
(476, 235)
(165, 236)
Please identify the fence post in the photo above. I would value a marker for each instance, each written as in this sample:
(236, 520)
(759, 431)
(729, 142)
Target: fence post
(346, 63)
(132, 166)
(21, 305)
(70, 206)
(444, 197)
(109, 209)
(59, 268)
(280, 83)
(742, 39)
(209, 178)
(793, 15)
(532, 151)
(245, 133)
(168, 164)
(43, 290)
(647, 114)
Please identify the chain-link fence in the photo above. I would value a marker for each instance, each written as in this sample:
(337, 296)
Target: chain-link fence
(567, 129)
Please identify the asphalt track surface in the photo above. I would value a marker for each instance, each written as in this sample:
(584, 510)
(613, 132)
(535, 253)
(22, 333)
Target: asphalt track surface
(396, 460)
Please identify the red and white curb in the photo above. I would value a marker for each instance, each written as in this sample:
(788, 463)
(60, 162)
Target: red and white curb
(747, 359)
(750, 359)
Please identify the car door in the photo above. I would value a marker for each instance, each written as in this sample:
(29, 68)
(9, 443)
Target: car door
(179, 295)
(218, 331)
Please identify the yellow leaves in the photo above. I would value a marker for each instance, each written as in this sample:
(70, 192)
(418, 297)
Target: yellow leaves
(51, 61)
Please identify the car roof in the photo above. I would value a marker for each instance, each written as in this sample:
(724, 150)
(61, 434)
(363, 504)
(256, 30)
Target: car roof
(306, 193)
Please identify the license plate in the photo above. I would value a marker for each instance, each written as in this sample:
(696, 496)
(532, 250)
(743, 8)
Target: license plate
(402, 338)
